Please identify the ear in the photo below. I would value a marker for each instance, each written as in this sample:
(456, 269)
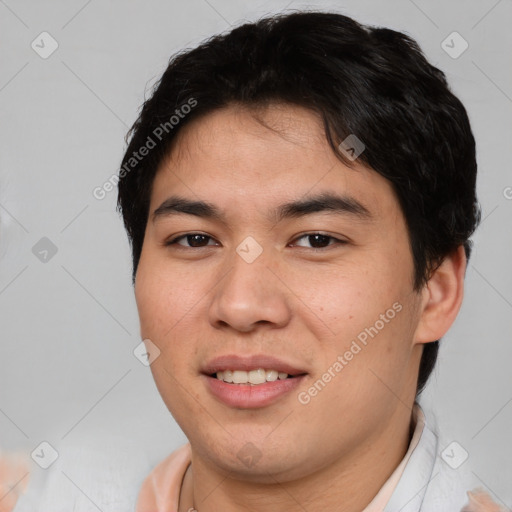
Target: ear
(442, 298)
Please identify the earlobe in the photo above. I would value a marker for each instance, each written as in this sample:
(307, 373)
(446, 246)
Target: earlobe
(442, 297)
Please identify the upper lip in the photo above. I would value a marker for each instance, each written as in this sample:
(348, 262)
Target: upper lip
(248, 363)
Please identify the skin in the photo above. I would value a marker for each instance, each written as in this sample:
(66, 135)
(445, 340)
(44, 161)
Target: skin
(293, 302)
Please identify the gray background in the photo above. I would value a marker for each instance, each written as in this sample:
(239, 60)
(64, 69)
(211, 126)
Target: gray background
(69, 325)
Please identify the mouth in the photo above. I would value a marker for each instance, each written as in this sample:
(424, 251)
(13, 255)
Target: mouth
(255, 369)
(248, 382)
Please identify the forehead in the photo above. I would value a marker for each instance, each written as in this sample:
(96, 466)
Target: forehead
(277, 153)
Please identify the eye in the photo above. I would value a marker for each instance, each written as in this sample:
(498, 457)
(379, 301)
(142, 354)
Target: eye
(320, 240)
(195, 240)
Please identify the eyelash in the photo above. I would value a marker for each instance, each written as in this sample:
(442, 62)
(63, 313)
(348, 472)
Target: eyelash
(337, 241)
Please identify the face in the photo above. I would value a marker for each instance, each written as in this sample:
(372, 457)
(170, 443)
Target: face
(262, 271)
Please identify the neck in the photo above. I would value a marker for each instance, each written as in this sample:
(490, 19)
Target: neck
(348, 484)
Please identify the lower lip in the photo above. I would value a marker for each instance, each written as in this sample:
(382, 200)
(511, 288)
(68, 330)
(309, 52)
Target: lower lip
(246, 396)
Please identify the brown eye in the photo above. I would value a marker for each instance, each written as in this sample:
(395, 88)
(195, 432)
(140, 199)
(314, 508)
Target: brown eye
(194, 240)
(320, 240)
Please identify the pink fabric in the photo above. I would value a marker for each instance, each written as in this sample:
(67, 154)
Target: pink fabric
(14, 478)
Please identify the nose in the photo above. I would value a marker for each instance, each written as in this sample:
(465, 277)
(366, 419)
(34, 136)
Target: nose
(250, 294)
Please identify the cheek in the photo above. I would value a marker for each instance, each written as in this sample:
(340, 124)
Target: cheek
(156, 298)
(166, 310)
(369, 314)
(352, 301)
(159, 293)
(148, 303)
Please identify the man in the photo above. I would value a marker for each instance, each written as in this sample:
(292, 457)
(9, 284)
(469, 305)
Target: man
(299, 194)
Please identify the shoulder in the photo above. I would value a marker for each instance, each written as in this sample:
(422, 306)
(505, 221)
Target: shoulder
(458, 490)
(454, 485)
(440, 476)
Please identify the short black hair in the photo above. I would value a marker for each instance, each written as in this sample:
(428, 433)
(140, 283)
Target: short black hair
(371, 82)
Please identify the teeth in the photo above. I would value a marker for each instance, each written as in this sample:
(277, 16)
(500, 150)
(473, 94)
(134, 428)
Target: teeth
(272, 375)
(253, 377)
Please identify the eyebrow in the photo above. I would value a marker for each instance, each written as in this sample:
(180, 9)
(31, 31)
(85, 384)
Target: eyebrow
(324, 202)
